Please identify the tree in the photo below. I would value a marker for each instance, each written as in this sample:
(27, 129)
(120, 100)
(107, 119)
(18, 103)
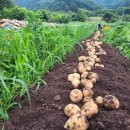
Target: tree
(108, 17)
(80, 16)
(6, 3)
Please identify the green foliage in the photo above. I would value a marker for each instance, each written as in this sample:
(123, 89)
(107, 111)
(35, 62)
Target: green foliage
(80, 16)
(119, 37)
(109, 17)
(126, 18)
(28, 54)
(14, 13)
(6, 3)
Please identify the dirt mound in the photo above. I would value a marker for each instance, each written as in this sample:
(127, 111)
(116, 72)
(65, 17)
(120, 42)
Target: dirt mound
(48, 104)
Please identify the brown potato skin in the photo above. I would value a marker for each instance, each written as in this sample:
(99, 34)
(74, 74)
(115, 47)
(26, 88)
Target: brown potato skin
(111, 102)
(87, 92)
(71, 110)
(99, 101)
(77, 122)
(89, 109)
(76, 95)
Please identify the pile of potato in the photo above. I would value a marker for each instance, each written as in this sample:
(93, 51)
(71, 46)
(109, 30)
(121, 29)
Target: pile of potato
(83, 80)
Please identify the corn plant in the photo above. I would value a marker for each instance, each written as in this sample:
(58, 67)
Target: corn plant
(28, 54)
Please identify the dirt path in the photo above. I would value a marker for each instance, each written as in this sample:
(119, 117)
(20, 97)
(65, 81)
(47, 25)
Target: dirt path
(47, 110)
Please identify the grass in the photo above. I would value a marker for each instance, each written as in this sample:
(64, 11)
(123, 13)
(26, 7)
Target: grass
(28, 54)
(119, 37)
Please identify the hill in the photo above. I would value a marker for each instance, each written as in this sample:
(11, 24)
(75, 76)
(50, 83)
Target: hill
(113, 3)
(58, 5)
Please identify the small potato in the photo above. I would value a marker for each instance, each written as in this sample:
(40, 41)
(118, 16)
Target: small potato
(93, 80)
(84, 75)
(99, 65)
(75, 83)
(89, 109)
(76, 95)
(87, 92)
(81, 69)
(98, 60)
(88, 68)
(71, 77)
(99, 101)
(93, 75)
(87, 99)
(77, 122)
(90, 53)
(80, 64)
(82, 58)
(86, 63)
(77, 76)
(111, 102)
(87, 83)
(93, 50)
(102, 52)
(94, 57)
(71, 110)
(91, 64)
(91, 59)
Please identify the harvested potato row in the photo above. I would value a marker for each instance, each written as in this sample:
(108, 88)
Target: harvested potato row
(83, 75)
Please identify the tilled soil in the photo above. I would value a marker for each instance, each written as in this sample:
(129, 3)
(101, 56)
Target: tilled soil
(48, 103)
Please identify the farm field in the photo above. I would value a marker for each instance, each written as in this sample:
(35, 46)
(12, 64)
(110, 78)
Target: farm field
(48, 103)
(64, 65)
(29, 53)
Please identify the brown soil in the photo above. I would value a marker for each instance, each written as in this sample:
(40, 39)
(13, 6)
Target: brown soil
(47, 111)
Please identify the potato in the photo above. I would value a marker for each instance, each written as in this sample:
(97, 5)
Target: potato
(91, 64)
(93, 80)
(87, 92)
(76, 95)
(71, 110)
(77, 122)
(70, 77)
(89, 109)
(86, 63)
(94, 57)
(99, 65)
(97, 60)
(74, 76)
(102, 52)
(93, 75)
(81, 69)
(111, 102)
(90, 53)
(75, 83)
(89, 47)
(80, 64)
(99, 101)
(77, 76)
(84, 75)
(87, 99)
(91, 59)
(82, 58)
(88, 68)
(87, 83)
